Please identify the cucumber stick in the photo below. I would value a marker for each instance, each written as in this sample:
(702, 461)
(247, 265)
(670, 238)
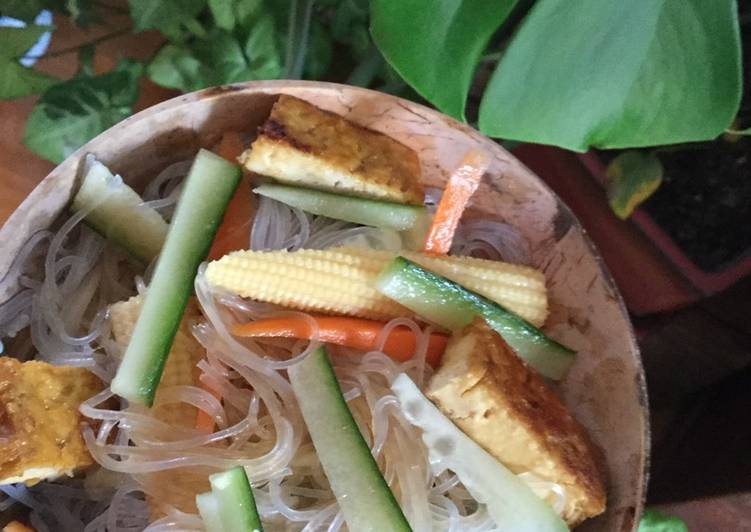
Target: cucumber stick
(208, 188)
(363, 495)
(511, 503)
(450, 305)
(348, 208)
(229, 506)
(119, 214)
(208, 508)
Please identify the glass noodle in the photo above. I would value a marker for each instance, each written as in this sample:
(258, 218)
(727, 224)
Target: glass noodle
(149, 467)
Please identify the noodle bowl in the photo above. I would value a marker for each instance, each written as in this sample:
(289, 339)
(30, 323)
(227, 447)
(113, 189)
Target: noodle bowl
(258, 423)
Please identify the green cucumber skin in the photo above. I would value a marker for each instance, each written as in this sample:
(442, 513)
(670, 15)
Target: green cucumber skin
(120, 217)
(364, 496)
(348, 208)
(237, 506)
(208, 188)
(453, 306)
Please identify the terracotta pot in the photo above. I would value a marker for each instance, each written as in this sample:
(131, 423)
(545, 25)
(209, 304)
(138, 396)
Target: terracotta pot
(708, 283)
(605, 388)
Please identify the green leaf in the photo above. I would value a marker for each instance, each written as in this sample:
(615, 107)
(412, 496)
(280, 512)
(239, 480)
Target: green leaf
(319, 53)
(264, 56)
(16, 80)
(219, 59)
(167, 16)
(71, 113)
(223, 12)
(654, 521)
(175, 67)
(436, 44)
(17, 41)
(612, 74)
(633, 176)
(348, 14)
(25, 10)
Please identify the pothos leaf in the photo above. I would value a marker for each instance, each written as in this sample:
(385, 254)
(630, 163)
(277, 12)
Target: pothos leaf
(436, 44)
(219, 59)
(654, 521)
(73, 112)
(16, 80)
(167, 16)
(224, 13)
(614, 74)
(633, 176)
(229, 14)
(25, 10)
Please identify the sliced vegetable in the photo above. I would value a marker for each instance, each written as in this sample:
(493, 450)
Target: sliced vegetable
(452, 306)
(460, 187)
(121, 216)
(230, 506)
(357, 333)
(234, 231)
(414, 238)
(510, 501)
(363, 495)
(343, 280)
(206, 192)
(363, 211)
(208, 508)
(204, 422)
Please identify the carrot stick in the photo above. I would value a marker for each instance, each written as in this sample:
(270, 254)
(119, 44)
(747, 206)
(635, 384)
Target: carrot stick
(350, 332)
(204, 422)
(460, 187)
(234, 232)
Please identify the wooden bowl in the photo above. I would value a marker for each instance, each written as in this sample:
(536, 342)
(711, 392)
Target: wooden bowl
(605, 389)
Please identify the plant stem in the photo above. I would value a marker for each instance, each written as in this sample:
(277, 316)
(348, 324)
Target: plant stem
(494, 56)
(76, 48)
(297, 38)
(365, 72)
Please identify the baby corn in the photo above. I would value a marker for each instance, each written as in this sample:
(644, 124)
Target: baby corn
(176, 487)
(342, 281)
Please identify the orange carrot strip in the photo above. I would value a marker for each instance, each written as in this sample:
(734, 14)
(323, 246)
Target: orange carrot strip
(460, 187)
(350, 332)
(234, 232)
(204, 422)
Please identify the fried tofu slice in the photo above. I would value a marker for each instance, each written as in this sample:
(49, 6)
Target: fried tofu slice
(303, 145)
(176, 487)
(507, 408)
(40, 435)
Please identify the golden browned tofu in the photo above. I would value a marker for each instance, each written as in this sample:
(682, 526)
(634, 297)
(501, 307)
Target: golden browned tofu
(40, 435)
(507, 408)
(303, 145)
